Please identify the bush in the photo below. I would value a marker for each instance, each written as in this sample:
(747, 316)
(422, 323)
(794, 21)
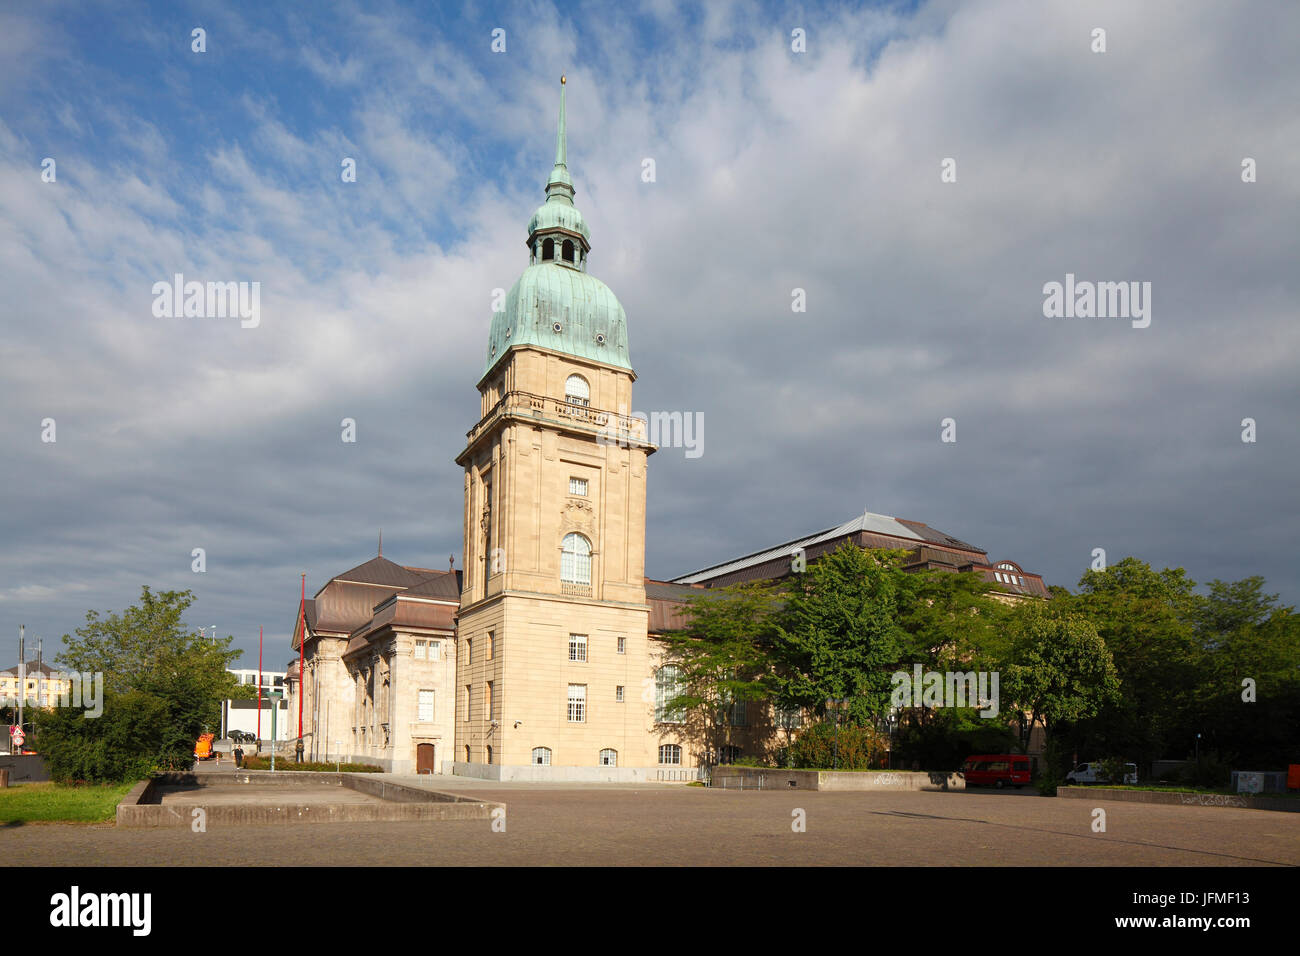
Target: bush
(286, 763)
(859, 748)
(136, 735)
(1051, 770)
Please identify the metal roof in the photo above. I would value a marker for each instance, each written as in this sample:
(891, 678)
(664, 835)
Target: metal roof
(868, 522)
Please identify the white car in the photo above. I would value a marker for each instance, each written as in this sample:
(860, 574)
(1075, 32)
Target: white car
(1091, 773)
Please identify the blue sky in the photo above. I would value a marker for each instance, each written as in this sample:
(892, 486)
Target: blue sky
(776, 170)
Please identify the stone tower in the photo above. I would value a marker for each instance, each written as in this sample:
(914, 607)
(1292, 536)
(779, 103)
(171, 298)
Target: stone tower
(552, 647)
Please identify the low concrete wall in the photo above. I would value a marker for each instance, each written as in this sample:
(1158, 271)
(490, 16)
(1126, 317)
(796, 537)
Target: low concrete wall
(25, 768)
(1241, 801)
(552, 774)
(762, 778)
(141, 807)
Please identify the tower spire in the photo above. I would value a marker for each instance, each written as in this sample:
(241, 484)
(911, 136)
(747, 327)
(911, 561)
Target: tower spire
(559, 188)
(561, 150)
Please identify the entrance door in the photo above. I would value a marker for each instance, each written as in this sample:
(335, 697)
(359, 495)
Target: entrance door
(424, 759)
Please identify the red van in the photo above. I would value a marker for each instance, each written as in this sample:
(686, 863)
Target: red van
(996, 770)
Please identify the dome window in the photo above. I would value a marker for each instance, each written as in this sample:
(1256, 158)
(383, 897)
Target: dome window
(548, 249)
(600, 338)
(568, 250)
(557, 328)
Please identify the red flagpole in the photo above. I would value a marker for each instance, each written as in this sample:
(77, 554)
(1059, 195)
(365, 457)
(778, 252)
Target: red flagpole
(259, 684)
(302, 649)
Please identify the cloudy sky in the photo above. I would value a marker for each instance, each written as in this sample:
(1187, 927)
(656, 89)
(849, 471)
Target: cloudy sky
(775, 170)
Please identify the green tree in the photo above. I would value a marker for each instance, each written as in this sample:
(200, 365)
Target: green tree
(1060, 670)
(1145, 617)
(839, 636)
(163, 684)
(722, 657)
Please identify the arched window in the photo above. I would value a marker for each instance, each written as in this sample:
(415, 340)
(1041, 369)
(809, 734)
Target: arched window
(542, 756)
(489, 755)
(670, 754)
(609, 757)
(668, 686)
(548, 249)
(467, 753)
(577, 391)
(568, 250)
(575, 560)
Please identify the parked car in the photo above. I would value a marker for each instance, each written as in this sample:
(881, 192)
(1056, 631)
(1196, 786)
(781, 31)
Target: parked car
(1092, 773)
(996, 770)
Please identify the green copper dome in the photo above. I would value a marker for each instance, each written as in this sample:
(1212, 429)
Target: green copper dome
(556, 304)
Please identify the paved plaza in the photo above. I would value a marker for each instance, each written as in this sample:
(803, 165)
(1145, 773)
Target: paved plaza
(573, 824)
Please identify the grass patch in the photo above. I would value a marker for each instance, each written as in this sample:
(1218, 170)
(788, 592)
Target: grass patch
(61, 803)
(281, 763)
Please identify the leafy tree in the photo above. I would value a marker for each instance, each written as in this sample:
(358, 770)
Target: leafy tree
(1060, 670)
(1145, 617)
(722, 657)
(839, 634)
(163, 684)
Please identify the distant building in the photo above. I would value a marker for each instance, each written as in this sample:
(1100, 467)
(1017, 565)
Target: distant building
(928, 549)
(41, 686)
(242, 714)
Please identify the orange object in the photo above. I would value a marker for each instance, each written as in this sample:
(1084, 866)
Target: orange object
(203, 749)
(1293, 776)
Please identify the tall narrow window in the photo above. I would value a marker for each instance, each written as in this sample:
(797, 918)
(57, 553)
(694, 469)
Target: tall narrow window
(490, 702)
(575, 560)
(578, 647)
(469, 691)
(568, 250)
(425, 706)
(668, 687)
(577, 703)
(548, 249)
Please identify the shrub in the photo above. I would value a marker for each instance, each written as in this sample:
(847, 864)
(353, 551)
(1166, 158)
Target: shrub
(286, 763)
(859, 748)
(137, 734)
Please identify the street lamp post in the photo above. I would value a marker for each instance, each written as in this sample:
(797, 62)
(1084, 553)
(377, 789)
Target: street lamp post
(274, 697)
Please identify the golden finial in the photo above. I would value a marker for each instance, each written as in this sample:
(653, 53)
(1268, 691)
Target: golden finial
(561, 79)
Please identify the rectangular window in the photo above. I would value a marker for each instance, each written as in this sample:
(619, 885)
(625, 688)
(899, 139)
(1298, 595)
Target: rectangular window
(420, 650)
(618, 693)
(622, 645)
(577, 703)
(578, 486)
(578, 647)
(492, 645)
(469, 650)
(490, 704)
(435, 650)
(469, 690)
(788, 716)
(425, 706)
